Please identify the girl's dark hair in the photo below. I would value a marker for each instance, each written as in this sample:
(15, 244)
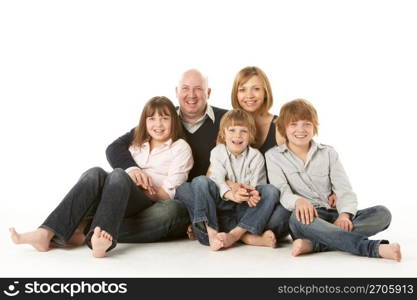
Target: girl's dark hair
(164, 107)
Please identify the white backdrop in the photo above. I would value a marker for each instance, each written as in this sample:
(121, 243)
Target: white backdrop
(74, 76)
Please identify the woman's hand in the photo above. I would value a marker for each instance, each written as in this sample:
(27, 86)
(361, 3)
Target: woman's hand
(279, 138)
(305, 211)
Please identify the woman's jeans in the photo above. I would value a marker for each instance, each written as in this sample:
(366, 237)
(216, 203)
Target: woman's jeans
(204, 204)
(326, 236)
(106, 197)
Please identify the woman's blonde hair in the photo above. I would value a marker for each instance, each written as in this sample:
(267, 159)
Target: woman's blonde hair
(164, 107)
(295, 110)
(237, 117)
(242, 77)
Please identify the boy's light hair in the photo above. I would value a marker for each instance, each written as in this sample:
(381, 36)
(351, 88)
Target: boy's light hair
(242, 77)
(237, 117)
(295, 110)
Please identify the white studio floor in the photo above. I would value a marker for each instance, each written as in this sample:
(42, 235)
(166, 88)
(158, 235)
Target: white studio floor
(184, 258)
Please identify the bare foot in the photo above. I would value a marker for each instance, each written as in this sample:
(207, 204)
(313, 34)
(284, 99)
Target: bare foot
(78, 237)
(228, 239)
(267, 239)
(39, 239)
(300, 246)
(390, 251)
(190, 233)
(215, 243)
(100, 242)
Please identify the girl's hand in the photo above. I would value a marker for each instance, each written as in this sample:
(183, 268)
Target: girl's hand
(344, 222)
(140, 178)
(305, 211)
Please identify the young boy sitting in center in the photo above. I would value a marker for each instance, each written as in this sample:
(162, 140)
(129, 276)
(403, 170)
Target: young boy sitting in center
(221, 216)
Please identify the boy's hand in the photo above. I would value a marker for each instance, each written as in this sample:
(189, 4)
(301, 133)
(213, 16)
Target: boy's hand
(233, 185)
(239, 195)
(332, 200)
(305, 211)
(254, 198)
(344, 222)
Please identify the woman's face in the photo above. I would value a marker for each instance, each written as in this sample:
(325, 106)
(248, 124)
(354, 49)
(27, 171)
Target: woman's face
(159, 127)
(251, 94)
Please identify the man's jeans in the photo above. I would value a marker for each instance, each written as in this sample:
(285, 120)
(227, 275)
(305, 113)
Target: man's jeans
(204, 204)
(163, 220)
(326, 236)
(107, 198)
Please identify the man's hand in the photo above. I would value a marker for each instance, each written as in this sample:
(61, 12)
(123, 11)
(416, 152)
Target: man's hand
(344, 222)
(143, 180)
(332, 200)
(305, 211)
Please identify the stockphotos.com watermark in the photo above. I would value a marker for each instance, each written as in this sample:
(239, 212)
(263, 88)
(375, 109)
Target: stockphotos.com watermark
(72, 289)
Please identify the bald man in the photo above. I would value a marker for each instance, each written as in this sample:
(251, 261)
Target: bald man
(169, 219)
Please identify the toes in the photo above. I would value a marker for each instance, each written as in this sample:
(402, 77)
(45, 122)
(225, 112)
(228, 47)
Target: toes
(97, 232)
(106, 235)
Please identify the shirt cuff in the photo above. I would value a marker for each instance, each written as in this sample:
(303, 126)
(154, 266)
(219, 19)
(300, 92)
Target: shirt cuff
(223, 189)
(347, 209)
(288, 201)
(131, 168)
(169, 189)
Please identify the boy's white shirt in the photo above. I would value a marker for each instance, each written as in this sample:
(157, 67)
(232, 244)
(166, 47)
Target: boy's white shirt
(317, 178)
(248, 168)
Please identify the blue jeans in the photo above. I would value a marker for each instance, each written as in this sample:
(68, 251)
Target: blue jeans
(163, 220)
(204, 204)
(326, 236)
(106, 198)
(279, 222)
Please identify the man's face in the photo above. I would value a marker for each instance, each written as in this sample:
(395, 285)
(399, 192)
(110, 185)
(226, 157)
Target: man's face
(192, 94)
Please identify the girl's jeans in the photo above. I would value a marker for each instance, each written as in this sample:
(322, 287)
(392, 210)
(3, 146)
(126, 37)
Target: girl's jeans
(107, 198)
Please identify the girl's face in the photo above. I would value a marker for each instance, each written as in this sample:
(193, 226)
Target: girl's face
(251, 94)
(300, 133)
(236, 138)
(159, 127)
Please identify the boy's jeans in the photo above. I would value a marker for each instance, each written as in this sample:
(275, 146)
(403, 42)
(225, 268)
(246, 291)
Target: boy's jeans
(204, 204)
(326, 236)
(106, 197)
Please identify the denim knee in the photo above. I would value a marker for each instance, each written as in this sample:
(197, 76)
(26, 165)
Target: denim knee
(384, 215)
(173, 209)
(117, 176)
(93, 174)
(269, 193)
(294, 223)
(205, 181)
